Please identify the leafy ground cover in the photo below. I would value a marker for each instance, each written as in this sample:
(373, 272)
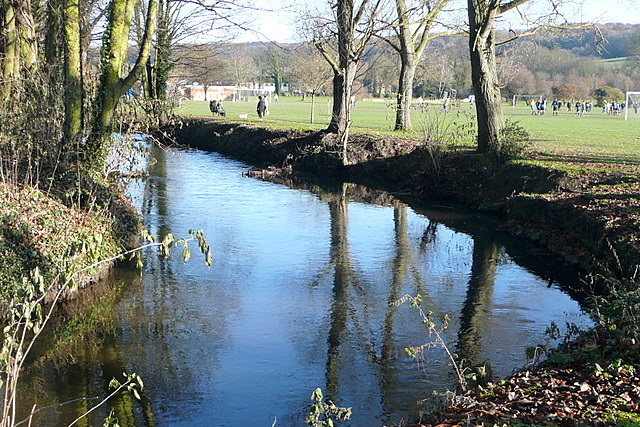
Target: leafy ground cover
(37, 230)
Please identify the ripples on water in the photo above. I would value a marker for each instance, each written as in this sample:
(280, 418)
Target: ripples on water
(299, 297)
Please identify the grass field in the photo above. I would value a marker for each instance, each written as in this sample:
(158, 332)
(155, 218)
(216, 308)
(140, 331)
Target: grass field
(594, 137)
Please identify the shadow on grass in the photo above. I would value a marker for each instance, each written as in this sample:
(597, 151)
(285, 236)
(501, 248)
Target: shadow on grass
(589, 158)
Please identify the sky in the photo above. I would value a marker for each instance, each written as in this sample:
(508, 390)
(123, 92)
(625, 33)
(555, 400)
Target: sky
(275, 23)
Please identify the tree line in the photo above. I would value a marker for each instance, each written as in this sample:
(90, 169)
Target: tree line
(397, 48)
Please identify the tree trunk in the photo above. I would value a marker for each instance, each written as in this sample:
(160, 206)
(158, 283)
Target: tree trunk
(338, 110)
(484, 74)
(341, 113)
(112, 86)
(405, 94)
(10, 62)
(52, 43)
(148, 82)
(72, 72)
(313, 97)
(27, 35)
(163, 50)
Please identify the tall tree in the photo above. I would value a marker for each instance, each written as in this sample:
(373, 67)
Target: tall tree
(484, 75)
(411, 33)
(112, 84)
(274, 64)
(353, 27)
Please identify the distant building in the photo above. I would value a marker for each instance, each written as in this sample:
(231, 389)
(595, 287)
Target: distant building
(199, 92)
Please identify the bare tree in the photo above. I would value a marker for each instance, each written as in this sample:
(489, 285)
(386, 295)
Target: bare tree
(342, 41)
(414, 21)
(310, 73)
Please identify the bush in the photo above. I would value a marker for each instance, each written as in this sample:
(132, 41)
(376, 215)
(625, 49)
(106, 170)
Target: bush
(514, 142)
(607, 93)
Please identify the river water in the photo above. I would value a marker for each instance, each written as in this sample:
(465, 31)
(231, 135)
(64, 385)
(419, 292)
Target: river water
(300, 295)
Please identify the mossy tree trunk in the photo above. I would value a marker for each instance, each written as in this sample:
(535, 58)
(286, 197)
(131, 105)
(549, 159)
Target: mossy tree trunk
(72, 72)
(27, 34)
(18, 43)
(9, 43)
(112, 84)
(163, 49)
(157, 71)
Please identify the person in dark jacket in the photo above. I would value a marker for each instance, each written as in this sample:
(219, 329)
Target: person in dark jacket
(261, 109)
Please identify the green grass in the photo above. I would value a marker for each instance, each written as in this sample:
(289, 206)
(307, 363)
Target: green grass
(595, 137)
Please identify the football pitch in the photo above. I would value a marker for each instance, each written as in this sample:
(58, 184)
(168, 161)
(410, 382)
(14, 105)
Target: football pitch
(594, 137)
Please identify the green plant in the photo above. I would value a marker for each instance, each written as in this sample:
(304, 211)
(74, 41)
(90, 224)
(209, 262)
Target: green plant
(618, 312)
(514, 141)
(27, 317)
(434, 327)
(324, 411)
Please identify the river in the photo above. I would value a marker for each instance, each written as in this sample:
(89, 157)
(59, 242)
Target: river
(300, 295)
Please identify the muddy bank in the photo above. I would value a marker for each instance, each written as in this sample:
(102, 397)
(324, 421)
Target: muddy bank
(561, 210)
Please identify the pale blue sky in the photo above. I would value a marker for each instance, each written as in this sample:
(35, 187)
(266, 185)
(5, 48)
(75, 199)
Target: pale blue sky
(280, 25)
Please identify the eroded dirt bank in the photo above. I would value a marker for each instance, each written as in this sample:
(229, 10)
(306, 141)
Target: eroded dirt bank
(589, 214)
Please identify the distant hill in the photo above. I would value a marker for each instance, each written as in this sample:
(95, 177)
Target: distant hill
(607, 41)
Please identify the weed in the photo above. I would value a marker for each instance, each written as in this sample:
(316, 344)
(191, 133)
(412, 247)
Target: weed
(434, 327)
(323, 411)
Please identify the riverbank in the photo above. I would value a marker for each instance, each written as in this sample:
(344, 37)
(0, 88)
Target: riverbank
(59, 235)
(586, 212)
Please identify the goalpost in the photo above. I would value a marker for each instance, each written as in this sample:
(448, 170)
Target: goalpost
(632, 103)
(524, 98)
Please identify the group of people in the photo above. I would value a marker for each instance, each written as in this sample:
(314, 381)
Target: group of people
(262, 108)
(579, 108)
(216, 108)
(539, 106)
(613, 108)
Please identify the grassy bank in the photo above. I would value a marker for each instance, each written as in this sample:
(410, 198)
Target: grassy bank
(595, 137)
(38, 230)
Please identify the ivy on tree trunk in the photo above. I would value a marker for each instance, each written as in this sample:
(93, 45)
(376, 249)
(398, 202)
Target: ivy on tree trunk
(112, 86)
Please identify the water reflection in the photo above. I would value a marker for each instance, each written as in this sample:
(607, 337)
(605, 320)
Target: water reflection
(477, 303)
(300, 296)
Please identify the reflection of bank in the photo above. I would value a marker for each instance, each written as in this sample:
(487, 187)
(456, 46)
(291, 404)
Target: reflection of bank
(82, 332)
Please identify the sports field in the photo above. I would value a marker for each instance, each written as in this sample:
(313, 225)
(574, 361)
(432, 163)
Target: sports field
(595, 136)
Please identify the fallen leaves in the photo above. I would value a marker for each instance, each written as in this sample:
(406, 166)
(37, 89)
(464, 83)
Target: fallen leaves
(551, 396)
